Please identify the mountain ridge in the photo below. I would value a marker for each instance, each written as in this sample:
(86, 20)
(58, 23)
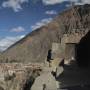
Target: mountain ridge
(34, 47)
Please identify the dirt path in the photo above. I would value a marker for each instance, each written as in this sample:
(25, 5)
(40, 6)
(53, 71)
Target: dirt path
(45, 81)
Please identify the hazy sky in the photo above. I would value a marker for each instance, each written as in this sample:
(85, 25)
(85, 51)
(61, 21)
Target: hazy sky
(19, 17)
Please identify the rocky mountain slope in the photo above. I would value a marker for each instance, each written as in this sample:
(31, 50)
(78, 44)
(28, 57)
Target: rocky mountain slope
(34, 47)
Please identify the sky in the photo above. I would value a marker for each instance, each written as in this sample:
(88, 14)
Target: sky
(20, 17)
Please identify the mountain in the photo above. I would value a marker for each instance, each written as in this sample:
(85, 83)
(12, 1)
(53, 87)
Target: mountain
(34, 47)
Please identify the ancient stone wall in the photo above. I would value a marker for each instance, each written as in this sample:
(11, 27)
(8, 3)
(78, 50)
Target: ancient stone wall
(56, 50)
(67, 48)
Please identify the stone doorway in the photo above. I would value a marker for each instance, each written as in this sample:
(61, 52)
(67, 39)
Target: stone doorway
(70, 52)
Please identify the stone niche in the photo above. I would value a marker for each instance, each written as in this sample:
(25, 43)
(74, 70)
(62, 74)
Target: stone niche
(70, 51)
(57, 54)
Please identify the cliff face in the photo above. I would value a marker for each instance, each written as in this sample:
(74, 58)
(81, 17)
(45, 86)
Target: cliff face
(18, 76)
(34, 47)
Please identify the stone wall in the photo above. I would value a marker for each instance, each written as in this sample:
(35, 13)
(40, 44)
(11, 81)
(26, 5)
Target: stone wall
(56, 50)
(67, 48)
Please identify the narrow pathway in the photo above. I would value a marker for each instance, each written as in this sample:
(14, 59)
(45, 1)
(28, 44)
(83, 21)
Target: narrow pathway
(45, 81)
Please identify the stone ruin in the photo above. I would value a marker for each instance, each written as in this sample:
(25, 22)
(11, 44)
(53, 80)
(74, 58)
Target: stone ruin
(67, 49)
(70, 56)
